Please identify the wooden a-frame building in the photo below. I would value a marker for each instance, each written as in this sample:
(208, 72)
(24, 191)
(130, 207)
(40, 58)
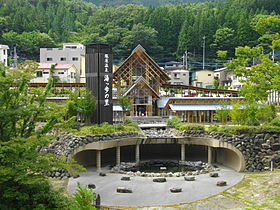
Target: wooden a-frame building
(140, 78)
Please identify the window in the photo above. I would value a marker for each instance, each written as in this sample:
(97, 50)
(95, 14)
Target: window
(71, 47)
(75, 59)
(184, 74)
(39, 74)
(62, 59)
(49, 59)
(49, 49)
(199, 84)
(209, 75)
(176, 75)
(45, 72)
(60, 72)
(4, 52)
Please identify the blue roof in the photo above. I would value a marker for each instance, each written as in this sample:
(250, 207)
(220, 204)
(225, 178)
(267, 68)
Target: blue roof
(161, 103)
(198, 107)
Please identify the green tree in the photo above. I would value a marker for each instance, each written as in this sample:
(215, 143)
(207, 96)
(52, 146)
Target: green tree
(224, 40)
(23, 182)
(223, 114)
(81, 104)
(259, 78)
(236, 114)
(126, 105)
(84, 198)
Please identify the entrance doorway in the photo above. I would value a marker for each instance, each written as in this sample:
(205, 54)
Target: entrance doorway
(141, 110)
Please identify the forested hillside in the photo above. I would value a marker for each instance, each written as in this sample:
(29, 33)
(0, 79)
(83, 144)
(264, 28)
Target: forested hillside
(165, 31)
(140, 2)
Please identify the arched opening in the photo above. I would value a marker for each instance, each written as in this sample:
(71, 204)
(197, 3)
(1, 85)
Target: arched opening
(227, 158)
(160, 151)
(86, 158)
(196, 153)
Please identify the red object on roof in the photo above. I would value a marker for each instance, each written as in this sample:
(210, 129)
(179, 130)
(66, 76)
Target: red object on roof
(57, 66)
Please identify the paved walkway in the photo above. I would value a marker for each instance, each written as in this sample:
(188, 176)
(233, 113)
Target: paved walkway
(148, 193)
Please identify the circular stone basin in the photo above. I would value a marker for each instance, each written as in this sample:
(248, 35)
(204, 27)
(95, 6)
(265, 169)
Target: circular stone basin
(164, 165)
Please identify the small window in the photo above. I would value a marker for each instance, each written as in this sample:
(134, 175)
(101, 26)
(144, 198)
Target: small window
(49, 49)
(60, 72)
(75, 59)
(184, 74)
(4, 52)
(49, 59)
(39, 74)
(45, 72)
(62, 59)
(209, 75)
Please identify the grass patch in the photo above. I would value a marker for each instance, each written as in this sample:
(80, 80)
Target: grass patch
(104, 128)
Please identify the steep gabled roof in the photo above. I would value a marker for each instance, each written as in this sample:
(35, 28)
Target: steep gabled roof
(137, 82)
(137, 49)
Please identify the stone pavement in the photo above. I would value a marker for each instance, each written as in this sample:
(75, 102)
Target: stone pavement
(145, 192)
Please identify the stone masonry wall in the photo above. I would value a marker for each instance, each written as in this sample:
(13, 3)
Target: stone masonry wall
(258, 149)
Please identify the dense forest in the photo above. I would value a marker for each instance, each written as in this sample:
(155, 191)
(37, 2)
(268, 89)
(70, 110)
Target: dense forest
(140, 2)
(166, 31)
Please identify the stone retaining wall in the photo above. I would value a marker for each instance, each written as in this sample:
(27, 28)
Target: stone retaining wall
(257, 149)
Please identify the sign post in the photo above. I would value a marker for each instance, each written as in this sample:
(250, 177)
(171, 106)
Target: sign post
(99, 80)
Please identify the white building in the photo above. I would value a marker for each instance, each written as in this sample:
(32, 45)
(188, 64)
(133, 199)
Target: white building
(227, 78)
(179, 77)
(65, 73)
(70, 53)
(4, 54)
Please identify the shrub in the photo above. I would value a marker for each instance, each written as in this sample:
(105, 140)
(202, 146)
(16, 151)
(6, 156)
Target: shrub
(275, 122)
(39, 195)
(194, 127)
(84, 198)
(213, 128)
(174, 122)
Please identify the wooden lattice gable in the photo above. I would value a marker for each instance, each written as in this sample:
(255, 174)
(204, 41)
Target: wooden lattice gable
(143, 85)
(139, 63)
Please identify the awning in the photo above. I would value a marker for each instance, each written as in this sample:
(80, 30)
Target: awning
(117, 108)
(198, 107)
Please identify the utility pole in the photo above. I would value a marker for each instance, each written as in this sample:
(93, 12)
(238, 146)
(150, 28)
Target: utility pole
(186, 52)
(183, 61)
(203, 61)
(15, 57)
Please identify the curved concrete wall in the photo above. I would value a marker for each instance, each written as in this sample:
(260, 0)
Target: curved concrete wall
(225, 153)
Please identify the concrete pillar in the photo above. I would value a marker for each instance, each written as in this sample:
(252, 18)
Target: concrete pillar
(183, 152)
(210, 158)
(137, 154)
(118, 156)
(98, 160)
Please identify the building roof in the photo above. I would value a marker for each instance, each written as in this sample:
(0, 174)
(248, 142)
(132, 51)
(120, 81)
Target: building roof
(2, 46)
(161, 103)
(117, 108)
(138, 81)
(198, 107)
(57, 66)
(141, 49)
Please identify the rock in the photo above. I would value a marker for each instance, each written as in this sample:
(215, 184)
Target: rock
(214, 174)
(189, 178)
(102, 174)
(221, 183)
(91, 186)
(175, 190)
(124, 190)
(159, 180)
(76, 176)
(125, 178)
(275, 147)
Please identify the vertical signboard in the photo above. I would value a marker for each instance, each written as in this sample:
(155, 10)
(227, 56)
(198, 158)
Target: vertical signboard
(99, 80)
